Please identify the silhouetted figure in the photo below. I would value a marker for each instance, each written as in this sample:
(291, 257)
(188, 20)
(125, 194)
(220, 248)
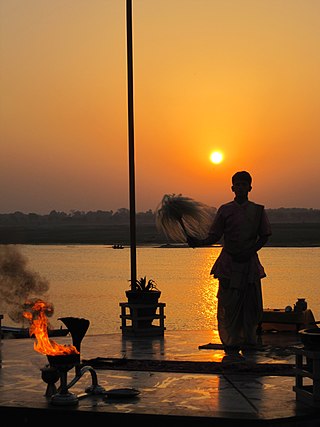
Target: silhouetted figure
(245, 229)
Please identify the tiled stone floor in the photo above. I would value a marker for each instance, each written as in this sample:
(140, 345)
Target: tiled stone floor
(215, 399)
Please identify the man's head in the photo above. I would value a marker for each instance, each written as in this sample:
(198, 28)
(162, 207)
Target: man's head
(241, 185)
(242, 176)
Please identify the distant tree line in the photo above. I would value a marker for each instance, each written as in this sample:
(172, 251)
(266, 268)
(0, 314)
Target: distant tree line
(293, 215)
(122, 217)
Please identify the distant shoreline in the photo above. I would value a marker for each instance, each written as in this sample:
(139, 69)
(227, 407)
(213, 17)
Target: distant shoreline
(283, 235)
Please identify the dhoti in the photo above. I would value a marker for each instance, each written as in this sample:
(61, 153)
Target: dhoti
(240, 308)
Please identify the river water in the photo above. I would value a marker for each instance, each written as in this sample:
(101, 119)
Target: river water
(90, 281)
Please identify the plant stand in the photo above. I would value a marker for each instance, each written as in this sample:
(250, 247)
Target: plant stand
(131, 319)
(308, 393)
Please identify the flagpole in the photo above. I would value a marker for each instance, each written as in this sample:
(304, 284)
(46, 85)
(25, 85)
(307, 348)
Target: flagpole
(133, 249)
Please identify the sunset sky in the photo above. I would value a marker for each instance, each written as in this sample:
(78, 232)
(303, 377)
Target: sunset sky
(236, 76)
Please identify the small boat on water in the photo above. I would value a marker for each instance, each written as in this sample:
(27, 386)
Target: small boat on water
(117, 246)
(13, 332)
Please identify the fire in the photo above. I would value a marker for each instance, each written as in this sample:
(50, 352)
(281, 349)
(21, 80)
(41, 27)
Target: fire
(39, 328)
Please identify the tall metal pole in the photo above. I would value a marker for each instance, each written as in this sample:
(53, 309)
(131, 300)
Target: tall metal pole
(133, 249)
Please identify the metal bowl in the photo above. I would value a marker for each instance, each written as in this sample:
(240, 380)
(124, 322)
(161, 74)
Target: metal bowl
(310, 338)
(66, 361)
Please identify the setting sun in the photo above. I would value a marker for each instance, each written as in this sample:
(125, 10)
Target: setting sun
(216, 157)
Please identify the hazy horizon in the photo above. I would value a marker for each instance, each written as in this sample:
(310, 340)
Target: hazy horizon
(144, 211)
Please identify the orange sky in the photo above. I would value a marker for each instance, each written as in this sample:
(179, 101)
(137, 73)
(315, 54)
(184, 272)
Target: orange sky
(241, 76)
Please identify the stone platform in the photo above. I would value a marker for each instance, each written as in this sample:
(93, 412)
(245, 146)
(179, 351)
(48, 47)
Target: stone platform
(255, 389)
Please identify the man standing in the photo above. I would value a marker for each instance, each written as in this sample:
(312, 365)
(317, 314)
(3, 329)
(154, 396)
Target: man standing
(245, 229)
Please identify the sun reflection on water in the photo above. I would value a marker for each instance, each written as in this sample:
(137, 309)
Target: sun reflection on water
(207, 309)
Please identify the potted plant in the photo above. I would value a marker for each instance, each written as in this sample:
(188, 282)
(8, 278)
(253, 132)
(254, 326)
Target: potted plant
(144, 292)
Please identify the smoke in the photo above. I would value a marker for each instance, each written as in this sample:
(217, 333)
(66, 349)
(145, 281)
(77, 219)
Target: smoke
(18, 283)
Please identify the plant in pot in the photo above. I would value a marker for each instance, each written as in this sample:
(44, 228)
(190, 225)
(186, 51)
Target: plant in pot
(144, 292)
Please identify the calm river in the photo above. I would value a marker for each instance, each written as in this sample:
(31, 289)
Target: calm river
(90, 280)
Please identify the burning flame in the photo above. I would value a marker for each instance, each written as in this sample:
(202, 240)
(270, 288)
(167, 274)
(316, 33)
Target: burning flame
(39, 328)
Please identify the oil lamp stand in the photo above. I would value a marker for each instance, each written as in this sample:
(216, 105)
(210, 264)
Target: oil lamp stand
(62, 396)
(59, 365)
